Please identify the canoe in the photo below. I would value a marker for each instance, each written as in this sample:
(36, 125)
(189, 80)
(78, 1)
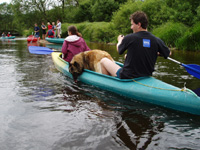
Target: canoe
(146, 89)
(55, 40)
(31, 38)
(10, 37)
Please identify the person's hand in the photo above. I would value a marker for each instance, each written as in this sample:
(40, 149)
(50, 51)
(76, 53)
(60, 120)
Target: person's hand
(120, 38)
(125, 56)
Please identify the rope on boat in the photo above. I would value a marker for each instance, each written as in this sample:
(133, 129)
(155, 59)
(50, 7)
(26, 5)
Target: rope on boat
(184, 89)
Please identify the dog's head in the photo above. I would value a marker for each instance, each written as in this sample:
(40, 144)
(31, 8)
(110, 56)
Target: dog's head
(76, 70)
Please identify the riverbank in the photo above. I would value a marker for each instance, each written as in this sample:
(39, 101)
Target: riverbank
(173, 34)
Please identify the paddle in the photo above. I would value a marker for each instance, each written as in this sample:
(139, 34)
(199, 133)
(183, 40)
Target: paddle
(40, 50)
(33, 37)
(192, 69)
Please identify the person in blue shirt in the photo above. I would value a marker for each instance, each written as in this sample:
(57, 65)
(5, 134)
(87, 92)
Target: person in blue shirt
(37, 31)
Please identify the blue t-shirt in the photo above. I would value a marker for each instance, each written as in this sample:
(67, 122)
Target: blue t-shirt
(37, 29)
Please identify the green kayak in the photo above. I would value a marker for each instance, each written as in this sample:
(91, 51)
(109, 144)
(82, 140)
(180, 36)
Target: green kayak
(147, 89)
(55, 40)
(10, 37)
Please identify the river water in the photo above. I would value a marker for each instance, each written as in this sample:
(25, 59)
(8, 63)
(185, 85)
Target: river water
(41, 109)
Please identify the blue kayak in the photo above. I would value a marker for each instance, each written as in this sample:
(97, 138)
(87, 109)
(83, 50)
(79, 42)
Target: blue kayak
(147, 89)
(55, 40)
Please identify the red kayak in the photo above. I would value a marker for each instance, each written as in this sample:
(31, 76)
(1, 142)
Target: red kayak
(32, 38)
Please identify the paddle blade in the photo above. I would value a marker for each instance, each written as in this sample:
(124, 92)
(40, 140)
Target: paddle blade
(193, 70)
(39, 50)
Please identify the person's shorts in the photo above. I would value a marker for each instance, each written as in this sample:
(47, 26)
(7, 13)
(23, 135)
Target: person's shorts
(118, 72)
(43, 31)
(37, 36)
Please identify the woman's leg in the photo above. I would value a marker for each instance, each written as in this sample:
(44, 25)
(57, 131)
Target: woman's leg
(59, 33)
(109, 67)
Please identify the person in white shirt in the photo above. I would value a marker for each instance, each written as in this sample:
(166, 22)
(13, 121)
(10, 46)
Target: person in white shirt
(58, 26)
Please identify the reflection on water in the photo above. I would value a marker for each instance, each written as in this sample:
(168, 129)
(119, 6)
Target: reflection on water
(42, 109)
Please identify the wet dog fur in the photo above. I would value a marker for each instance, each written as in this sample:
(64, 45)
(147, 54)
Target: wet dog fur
(87, 60)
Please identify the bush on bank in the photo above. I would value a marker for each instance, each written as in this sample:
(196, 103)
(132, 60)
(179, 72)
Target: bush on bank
(94, 32)
(191, 39)
(174, 34)
(170, 32)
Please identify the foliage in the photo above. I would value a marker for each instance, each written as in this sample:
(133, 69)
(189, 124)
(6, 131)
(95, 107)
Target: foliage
(53, 15)
(185, 11)
(91, 10)
(6, 16)
(103, 20)
(94, 32)
(82, 13)
(28, 32)
(157, 11)
(191, 39)
(102, 10)
(170, 32)
(121, 17)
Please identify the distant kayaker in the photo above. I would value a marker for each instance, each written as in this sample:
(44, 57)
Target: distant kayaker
(8, 35)
(142, 51)
(3, 34)
(73, 44)
(37, 31)
(43, 30)
(58, 26)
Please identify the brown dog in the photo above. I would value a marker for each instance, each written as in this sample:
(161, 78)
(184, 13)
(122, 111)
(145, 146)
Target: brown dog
(87, 60)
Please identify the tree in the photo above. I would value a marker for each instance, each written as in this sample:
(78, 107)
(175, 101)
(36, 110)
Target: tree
(6, 16)
(102, 10)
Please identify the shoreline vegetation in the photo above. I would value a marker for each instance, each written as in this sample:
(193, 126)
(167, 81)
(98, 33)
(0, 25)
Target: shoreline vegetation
(176, 22)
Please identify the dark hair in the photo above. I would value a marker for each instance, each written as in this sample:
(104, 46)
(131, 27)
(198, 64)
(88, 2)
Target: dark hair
(74, 31)
(140, 16)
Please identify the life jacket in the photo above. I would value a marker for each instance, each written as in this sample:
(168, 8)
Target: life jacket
(50, 32)
(49, 27)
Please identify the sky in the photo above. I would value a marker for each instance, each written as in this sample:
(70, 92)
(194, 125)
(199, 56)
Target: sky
(2, 1)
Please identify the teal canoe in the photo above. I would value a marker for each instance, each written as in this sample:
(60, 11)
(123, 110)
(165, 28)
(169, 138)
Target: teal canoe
(147, 89)
(55, 40)
(10, 37)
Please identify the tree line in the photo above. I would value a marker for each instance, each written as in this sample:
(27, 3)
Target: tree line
(177, 22)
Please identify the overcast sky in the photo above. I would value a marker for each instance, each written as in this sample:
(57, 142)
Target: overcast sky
(2, 1)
